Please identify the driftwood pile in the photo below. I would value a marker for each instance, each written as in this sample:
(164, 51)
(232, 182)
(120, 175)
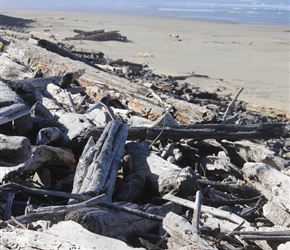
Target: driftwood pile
(98, 35)
(103, 156)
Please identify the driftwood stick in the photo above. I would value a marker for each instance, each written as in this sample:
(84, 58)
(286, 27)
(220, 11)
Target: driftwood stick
(231, 104)
(18, 187)
(205, 209)
(197, 210)
(134, 211)
(55, 212)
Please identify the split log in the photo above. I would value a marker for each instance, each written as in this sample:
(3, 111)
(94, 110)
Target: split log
(64, 235)
(42, 156)
(273, 184)
(201, 132)
(113, 223)
(254, 152)
(14, 150)
(98, 166)
(160, 175)
(183, 234)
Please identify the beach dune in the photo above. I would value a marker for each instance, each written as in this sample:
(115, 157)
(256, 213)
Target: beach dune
(233, 55)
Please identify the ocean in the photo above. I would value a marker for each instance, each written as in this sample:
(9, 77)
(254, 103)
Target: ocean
(241, 11)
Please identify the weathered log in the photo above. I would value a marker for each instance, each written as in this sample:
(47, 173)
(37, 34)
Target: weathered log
(10, 70)
(276, 214)
(201, 132)
(273, 184)
(160, 175)
(254, 152)
(183, 234)
(114, 223)
(42, 156)
(65, 53)
(97, 168)
(14, 150)
(64, 235)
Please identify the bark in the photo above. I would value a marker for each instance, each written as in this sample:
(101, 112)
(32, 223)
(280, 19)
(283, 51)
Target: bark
(273, 184)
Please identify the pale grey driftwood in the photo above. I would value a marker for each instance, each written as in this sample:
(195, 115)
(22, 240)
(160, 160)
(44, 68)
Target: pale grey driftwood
(273, 184)
(183, 234)
(97, 168)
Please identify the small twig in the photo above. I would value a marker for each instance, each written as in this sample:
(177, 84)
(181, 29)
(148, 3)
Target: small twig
(71, 104)
(197, 210)
(231, 104)
(17, 222)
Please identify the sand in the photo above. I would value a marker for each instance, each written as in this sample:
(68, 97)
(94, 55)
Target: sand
(233, 55)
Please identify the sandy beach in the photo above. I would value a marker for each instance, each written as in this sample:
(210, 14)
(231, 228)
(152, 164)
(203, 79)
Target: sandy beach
(233, 55)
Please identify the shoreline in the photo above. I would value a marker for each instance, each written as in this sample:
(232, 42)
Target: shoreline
(253, 56)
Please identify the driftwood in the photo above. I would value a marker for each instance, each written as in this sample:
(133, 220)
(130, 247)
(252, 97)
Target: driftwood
(14, 150)
(273, 184)
(113, 223)
(12, 108)
(10, 70)
(64, 235)
(65, 53)
(97, 82)
(277, 215)
(253, 152)
(42, 156)
(98, 35)
(160, 175)
(183, 234)
(98, 166)
(201, 132)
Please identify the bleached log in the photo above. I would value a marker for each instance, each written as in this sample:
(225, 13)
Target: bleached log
(97, 169)
(276, 214)
(113, 223)
(161, 176)
(10, 70)
(273, 184)
(42, 156)
(254, 152)
(183, 234)
(14, 150)
(64, 235)
(13, 112)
